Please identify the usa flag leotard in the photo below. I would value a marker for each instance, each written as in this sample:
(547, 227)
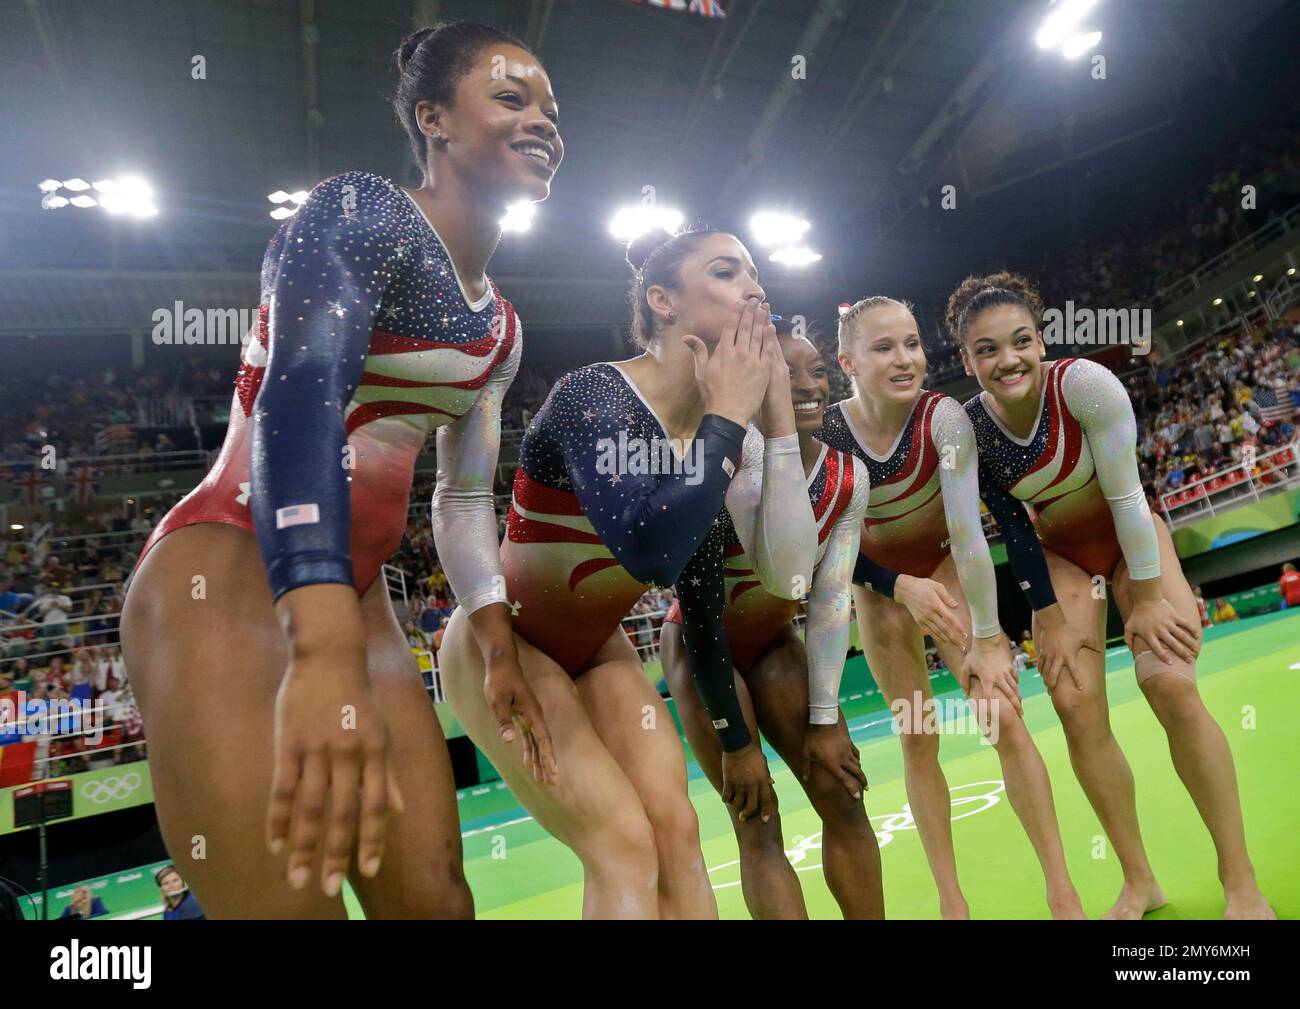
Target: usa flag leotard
(1077, 470)
(366, 341)
(752, 616)
(598, 514)
(924, 503)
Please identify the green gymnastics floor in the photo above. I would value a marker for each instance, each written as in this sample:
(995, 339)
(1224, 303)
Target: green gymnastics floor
(1250, 679)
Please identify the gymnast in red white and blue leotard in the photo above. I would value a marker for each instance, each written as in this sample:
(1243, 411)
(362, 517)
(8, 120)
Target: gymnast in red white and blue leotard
(923, 547)
(583, 542)
(1060, 438)
(753, 617)
(406, 351)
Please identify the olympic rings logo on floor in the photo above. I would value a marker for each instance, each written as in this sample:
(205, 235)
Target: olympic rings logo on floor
(108, 789)
(967, 800)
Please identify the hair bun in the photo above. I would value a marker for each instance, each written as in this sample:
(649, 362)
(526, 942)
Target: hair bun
(640, 248)
(411, 43)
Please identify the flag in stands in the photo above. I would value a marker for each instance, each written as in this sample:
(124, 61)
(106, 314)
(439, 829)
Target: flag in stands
(1269, 407)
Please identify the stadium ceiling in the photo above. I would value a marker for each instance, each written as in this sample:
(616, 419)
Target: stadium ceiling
(898, 95)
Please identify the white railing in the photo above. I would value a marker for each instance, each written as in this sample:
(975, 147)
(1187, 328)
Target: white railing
(123, 462)
(395, 579)
(1236, 484)
(1253, 242)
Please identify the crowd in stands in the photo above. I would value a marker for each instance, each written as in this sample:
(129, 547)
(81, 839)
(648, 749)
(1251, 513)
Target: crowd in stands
(1218, 407)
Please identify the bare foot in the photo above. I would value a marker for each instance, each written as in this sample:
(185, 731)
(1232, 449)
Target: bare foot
(1135, 900)
(1248, 904)
(1066, 907)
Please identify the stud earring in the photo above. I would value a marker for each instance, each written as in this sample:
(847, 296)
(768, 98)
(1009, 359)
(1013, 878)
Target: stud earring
(672, 316)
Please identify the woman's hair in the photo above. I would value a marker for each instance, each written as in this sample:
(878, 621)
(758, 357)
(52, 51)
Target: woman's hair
(850, 319)
(656, 257)
(430, 64)
(975, 294)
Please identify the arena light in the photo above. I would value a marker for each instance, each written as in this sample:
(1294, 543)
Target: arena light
(1080, 44)
(128, 195)
(1180, 322)
(1257, 278)
(772, 228)
(519, 216)
(638, 219)
(1291, 272)
(283, 198)
(1061, 21)
(1217, 301)
(796, 255)
(16, 526)
(1250, 294)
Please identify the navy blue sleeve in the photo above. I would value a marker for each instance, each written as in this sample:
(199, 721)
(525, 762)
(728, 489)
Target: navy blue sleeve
(701, 592)
(652, 523)
(871, 575)
(1024, 551)
(338, 251)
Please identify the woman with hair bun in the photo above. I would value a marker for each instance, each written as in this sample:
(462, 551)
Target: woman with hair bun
(262, 644)
(622, 474)
(925, 568)
(1058, 470)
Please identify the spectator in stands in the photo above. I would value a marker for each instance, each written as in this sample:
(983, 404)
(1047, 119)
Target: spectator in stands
(1289, 586)
(1224, 612)
(178, 903)
(83, 905)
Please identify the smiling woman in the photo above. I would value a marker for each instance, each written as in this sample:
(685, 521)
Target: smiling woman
(378, 325)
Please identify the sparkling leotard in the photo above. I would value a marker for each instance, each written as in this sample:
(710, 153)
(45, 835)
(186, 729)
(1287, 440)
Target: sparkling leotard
(1077, 470)
(924, 503)
(752, 616)
(599, 513)
(365, 342)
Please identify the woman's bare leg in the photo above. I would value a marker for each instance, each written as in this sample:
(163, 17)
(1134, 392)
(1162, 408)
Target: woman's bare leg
(1197, 745)
(592, 807)
(632, 720)
(895, 653)
(1029, 789)
(1098, 762)
(422, 875)
(769, 883)
(778, 686)
(205, 672)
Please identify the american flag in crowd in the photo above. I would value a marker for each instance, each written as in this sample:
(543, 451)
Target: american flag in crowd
(1271, 408)
(706, 8)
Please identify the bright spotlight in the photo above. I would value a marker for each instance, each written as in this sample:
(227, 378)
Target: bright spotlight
(1061, 21)
(1180, 322)
(280, 213)
(1258, 277)
(76, 185)
(1218, 301)
(84, 201)
(797, 255)
(1080, 44)
(279, 196)
(772, 228)
(636, 220)
(519, 216)
(49, 185)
